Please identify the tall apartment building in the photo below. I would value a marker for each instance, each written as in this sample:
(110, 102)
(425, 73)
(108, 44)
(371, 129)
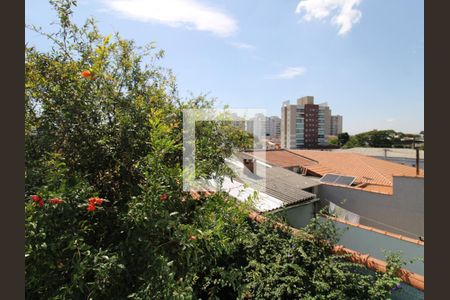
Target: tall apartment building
(273, 127)
(327, 118)
(306, 125)
(268, 127)
(336, 125)
(303, 124)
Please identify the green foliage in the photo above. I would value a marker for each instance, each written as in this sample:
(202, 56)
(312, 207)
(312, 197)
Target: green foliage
(333, 141)
(381, 139)
(374, 138)
(115, 132)
(343, 138)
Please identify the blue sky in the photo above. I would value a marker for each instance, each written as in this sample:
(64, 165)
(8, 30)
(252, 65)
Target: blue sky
(364, 57)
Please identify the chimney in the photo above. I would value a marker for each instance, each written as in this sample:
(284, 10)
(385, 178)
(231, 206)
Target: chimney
(249, 166)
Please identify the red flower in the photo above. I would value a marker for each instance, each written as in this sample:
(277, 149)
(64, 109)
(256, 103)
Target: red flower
(91, 207)
(96, 200)
(36, 198)
(55, 201)
(86, 74)
(41, 203)
(193, 238)
(163, 197)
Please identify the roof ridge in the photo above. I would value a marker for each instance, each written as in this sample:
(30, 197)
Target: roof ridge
(305, 157)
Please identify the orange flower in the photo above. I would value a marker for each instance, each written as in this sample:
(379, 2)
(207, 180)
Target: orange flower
(91, 207)
(55, 201)
(86, 74)
(193, 238)
(95, 200)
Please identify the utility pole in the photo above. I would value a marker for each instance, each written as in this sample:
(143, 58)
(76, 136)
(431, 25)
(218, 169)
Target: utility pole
(417, 161)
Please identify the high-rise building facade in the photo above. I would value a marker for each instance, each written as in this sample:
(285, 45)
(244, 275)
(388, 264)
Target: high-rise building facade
(267, 127)
(305, 124)
(336, 125)
(273, 127)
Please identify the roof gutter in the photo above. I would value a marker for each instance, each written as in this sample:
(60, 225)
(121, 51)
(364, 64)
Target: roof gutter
(296, 204)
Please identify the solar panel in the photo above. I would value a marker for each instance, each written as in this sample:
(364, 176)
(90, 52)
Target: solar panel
(345, 180)
(329, 178)
(337, 179)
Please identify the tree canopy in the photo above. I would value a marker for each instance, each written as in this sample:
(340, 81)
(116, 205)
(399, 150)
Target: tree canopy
(381, 139)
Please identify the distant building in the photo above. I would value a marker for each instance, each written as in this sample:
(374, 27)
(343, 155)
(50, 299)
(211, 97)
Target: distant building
(273, 128)
(336, 125)
(237, 121)
(265, 127)
(305, 124)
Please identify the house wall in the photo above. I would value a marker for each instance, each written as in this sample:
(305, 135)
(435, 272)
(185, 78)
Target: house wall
(299, 216)
(402, 212)
(374, 244)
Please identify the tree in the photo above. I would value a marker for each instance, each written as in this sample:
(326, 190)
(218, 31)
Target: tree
(333, 141)
(343, 138)
(374, 138)
(106, 215)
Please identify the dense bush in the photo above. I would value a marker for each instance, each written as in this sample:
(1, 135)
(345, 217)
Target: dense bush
(106, 216)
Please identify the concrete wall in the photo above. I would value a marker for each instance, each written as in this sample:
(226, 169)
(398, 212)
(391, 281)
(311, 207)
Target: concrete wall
(402, 212)
(374, 243)
(299, 216)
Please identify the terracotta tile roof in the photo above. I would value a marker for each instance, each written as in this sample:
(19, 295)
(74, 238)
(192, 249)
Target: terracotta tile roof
(368, 170)
(372, 174)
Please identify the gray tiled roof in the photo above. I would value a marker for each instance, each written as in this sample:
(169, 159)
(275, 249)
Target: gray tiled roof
(282, 184)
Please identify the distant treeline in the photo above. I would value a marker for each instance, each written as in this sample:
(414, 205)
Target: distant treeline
(379, 139)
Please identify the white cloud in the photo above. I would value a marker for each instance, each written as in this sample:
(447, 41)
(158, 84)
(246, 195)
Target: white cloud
(290, 72)
(343, 13)
(191, 14)
(242, 45)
